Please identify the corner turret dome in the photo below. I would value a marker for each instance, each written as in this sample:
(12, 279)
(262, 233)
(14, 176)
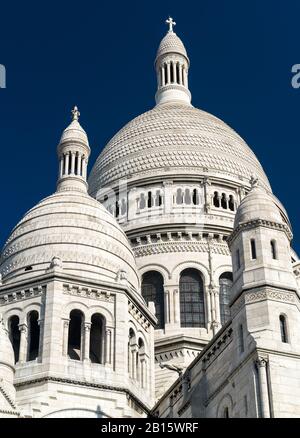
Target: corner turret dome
(258, 204)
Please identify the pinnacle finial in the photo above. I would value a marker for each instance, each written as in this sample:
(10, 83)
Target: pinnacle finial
(171, 23)
(75, 113)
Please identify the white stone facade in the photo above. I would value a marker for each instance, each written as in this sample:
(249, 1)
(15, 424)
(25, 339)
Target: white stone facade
(174, 258)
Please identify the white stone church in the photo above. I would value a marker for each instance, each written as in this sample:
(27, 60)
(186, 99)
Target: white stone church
(165, 286)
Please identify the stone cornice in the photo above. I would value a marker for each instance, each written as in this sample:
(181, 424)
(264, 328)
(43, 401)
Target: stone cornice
(262, 293)
(53, 379)
(259, 223)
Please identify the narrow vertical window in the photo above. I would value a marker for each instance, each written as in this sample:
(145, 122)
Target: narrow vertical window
(149, 201)
(253, 249)
(34, 335)
(241, 339)
(75, 335)
(283, 329)
(171, 72)
(96, 338)
(216, 199)
(14, 335)
(273, 249)
(226, 413)
(238, 259)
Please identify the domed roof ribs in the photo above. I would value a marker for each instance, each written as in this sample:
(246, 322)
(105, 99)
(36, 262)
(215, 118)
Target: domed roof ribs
(172, 64)
(73, 154)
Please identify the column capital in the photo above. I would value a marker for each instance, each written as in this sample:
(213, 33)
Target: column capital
(87, 326)
(23, 327)
(261, 361)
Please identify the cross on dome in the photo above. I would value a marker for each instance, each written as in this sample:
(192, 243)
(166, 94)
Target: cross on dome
(75, 113)
(171, 23)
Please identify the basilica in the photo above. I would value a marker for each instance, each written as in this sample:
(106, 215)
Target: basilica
(163, 284)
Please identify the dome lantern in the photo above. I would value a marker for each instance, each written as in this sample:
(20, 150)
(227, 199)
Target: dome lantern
(172, 64)
(73, 154)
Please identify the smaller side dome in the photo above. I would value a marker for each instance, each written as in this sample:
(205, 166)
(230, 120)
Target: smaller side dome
(258, 204)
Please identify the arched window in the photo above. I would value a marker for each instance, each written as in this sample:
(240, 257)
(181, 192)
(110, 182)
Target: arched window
(153, 290)
(253, 249)
(149, 200)
(172, 72)
(195, 197)
(179, 197)
(191, 288)
(166, 75)
(14, 335)
(226, 412)
(224, 201)
(142, 364)
(231, 203)
(75, 335)
(97, 339)
(142, 202)
(283, 329)
(33, 335)
(131, 344)
(216, 199)
(187, 197)
(274, 249)
(225, 282)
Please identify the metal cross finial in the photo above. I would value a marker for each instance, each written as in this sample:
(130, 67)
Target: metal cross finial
(75, 113)
(171, 23)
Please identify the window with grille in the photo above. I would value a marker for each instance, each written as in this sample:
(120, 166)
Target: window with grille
(225, 282)
(153, 290)
(192, 313)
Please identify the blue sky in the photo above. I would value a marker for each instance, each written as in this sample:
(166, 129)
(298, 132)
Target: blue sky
(100, 55)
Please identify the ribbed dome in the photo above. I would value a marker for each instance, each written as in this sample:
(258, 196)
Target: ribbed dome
(171, 43)
(74, 228)
(174, 139)
(258, 204)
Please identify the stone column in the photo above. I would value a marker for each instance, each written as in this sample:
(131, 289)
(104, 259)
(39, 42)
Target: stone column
(163, 76)
(66, 323)
(143, 376)
(176, 304)
(168, 73)
(67, 158)
(207, 293)
(217, 304)
(134, 351)
(73, 156)
(180, 74)
(261, 364)
(86, 342)
(167, 306)
(108, 346)
(23, 343)
(61, 167)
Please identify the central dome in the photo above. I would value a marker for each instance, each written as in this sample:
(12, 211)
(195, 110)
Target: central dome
(175, 139)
